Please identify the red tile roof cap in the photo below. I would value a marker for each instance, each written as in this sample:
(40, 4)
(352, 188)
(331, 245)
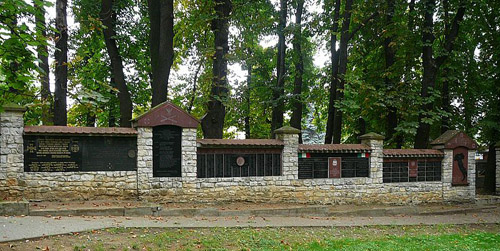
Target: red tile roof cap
(240, 142)
(334, 148)
(412, 153)
(79, 130)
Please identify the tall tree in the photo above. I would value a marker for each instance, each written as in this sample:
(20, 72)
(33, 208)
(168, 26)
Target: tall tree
(43, 62)
(432, 64)
(339, 68)
(61, 59)
(334, 57)
(296, 119)
(389, 80)
(161, 42)
(213, 122)
(108, 19)
(278, 90)
(343, 53)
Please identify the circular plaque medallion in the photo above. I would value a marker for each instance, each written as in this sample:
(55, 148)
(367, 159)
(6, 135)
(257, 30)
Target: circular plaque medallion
(131, 153)
(240, 161)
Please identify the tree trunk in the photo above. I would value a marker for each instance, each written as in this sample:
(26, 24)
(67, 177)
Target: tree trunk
(489, 175)
(296, 119)
(61, 58)
(42, 54)
(108, 18)
(344, 40)
(390, 54)
(161, 42)
(431, 65)
(278, 90)
(247, 97)
(445, 103)
(334, 57)
(195, 83)
(213, 122)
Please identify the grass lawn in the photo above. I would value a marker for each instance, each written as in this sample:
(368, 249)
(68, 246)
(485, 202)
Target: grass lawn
(439, 237)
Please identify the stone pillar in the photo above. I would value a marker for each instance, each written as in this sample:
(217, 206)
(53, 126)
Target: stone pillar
(144, 159)
(497, 159)
(11, 152)
(376, 143)
(290, 158)
(188, 164)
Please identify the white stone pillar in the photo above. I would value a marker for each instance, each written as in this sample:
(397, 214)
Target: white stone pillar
(497, 167)
(144, 160)
(188, 162)
(376, 143)
(290, 156)
(11, 152)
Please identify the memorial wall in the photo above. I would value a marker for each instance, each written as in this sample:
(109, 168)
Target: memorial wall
(160, 159)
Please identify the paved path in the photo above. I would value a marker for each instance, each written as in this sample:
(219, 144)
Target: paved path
(17, 228)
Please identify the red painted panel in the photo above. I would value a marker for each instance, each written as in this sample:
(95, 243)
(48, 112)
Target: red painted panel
(334, 167)
(460, 166)
(461, 139)
(167, 114)
(413, 168)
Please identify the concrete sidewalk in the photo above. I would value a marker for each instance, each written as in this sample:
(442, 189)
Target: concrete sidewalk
(18, 228)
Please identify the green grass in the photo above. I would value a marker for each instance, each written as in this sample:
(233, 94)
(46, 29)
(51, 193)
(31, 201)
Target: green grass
(437, 237)
(321, 239)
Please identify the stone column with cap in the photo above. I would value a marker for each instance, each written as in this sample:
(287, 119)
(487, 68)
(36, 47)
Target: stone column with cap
(11, 152)
(376, 143)
(497, 159)
(290, 158)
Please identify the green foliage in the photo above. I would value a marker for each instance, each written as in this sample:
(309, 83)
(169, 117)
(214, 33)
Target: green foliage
(471, 70)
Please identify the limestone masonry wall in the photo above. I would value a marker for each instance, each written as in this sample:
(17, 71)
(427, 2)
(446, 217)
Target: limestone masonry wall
(140, 184)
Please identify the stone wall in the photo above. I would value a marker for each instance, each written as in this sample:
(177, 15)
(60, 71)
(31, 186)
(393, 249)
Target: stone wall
(287, 187)
(118, 185)
(11, 153)
(17, 184)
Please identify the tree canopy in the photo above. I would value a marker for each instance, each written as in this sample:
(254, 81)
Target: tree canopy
(336, 68)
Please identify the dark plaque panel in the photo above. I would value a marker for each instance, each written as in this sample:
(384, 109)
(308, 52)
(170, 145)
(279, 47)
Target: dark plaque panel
(459, 171)
(109, 154)
(167, 152)
(320, 165)
(79, 153)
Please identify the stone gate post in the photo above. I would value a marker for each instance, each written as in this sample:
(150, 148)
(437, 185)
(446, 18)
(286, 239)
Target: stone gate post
(11, 152)
(376, 143)
(290, 159)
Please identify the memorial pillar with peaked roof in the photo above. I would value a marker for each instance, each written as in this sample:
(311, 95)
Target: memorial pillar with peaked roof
(458, 165)
(166, 145)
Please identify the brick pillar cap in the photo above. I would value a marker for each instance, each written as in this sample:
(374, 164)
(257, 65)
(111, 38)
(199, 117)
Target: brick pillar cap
(371, 135)
(287, 130)
(13, 108)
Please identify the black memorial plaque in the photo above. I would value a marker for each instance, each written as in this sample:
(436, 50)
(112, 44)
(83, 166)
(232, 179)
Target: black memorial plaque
(79, 153)
(52, 154)
(167, 151)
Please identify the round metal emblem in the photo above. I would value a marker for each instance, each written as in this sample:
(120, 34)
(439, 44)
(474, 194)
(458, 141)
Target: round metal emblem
(240, 161)
(75, 147)
(131, 153)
